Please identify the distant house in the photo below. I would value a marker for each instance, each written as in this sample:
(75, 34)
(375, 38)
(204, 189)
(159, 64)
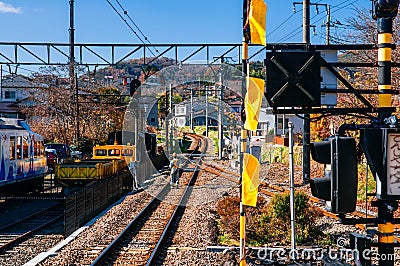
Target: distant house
(182, 114)
(149, 107)
(277, 124)
(14, 90)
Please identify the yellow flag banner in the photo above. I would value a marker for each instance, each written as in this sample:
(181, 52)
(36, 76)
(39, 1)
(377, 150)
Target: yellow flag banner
(252, 102)
(250, 179)
(257, 13)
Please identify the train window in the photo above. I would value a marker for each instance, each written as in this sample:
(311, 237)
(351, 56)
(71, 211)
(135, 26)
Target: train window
(19, 147)
(25, 148)
(113, 152)
(41, 148)
(36, 151)
(101, 152)
(127, 152)
(12, 147)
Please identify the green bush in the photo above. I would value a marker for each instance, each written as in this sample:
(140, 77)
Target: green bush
(270, 223)
(279, 218)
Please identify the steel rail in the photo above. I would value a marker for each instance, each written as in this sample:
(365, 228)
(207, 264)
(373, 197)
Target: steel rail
(155, 200)
(103, 255)
(197, 144)
(17, 238)
(183, 200)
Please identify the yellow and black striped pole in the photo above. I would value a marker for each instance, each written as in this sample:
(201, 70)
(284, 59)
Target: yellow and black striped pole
(384, 65)
(385, 216)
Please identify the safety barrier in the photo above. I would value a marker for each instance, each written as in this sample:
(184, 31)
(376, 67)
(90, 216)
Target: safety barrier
(82, 206)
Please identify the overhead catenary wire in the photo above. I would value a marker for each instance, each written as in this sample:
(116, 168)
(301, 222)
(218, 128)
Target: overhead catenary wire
(129, 26)
(334, 9)
(137, 27)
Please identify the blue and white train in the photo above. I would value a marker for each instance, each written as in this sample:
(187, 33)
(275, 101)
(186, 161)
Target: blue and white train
(23, 163)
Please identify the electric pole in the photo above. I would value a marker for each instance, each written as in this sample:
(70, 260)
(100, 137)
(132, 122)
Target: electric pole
(328, 23)
(72, 77)
(207, 111)
(220, 115)
(191, 111)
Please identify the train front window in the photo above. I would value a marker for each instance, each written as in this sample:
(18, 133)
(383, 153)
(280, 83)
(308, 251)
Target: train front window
(127, 152)
(113, 152)
(25, 147)
(101, 152)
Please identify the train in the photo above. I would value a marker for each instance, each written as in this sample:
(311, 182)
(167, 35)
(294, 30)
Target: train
(23, 164)
(112, 159)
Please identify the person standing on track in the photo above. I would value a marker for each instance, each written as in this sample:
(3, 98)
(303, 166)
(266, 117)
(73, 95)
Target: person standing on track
(174, 166)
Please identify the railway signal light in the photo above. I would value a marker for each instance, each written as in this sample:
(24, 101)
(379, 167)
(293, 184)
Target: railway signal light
(133, 86)
(385, 8)
(339, 186)
(293, 79)
(381, 147)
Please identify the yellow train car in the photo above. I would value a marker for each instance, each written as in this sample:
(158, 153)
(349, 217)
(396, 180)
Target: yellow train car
(107, 160)
(115, 152)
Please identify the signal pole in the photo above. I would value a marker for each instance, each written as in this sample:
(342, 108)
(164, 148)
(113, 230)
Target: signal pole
(243, 149)
(385, 209)
(385, 12)
(306, 122)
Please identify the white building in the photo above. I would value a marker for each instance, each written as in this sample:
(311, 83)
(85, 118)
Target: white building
(270, 123)
(13, 90)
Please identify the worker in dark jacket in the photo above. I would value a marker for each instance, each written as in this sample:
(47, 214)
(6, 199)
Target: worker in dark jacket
(174, 166)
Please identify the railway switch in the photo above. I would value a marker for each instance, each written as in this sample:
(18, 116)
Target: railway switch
(339, 185)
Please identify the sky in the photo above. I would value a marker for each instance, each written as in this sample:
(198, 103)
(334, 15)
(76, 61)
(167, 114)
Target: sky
(162, 21)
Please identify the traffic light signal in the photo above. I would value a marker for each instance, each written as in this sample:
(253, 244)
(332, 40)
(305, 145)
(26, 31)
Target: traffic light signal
(339, 186)
(385, 8)
(133, 86)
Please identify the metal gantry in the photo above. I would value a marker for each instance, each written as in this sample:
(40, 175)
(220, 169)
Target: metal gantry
(105, 54)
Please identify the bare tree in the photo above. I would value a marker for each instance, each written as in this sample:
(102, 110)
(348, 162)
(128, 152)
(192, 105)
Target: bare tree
(53, 109)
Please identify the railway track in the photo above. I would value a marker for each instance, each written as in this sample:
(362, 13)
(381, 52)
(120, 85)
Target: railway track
(15, 233)
(144, 241)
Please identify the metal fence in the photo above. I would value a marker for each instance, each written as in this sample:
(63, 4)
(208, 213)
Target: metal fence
(82, 206)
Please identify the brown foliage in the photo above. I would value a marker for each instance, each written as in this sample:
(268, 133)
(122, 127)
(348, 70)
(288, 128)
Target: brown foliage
(53, 113)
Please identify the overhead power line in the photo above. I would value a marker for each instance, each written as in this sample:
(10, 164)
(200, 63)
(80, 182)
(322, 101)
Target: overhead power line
(334, 9)
(130, 27)
(137, 27)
